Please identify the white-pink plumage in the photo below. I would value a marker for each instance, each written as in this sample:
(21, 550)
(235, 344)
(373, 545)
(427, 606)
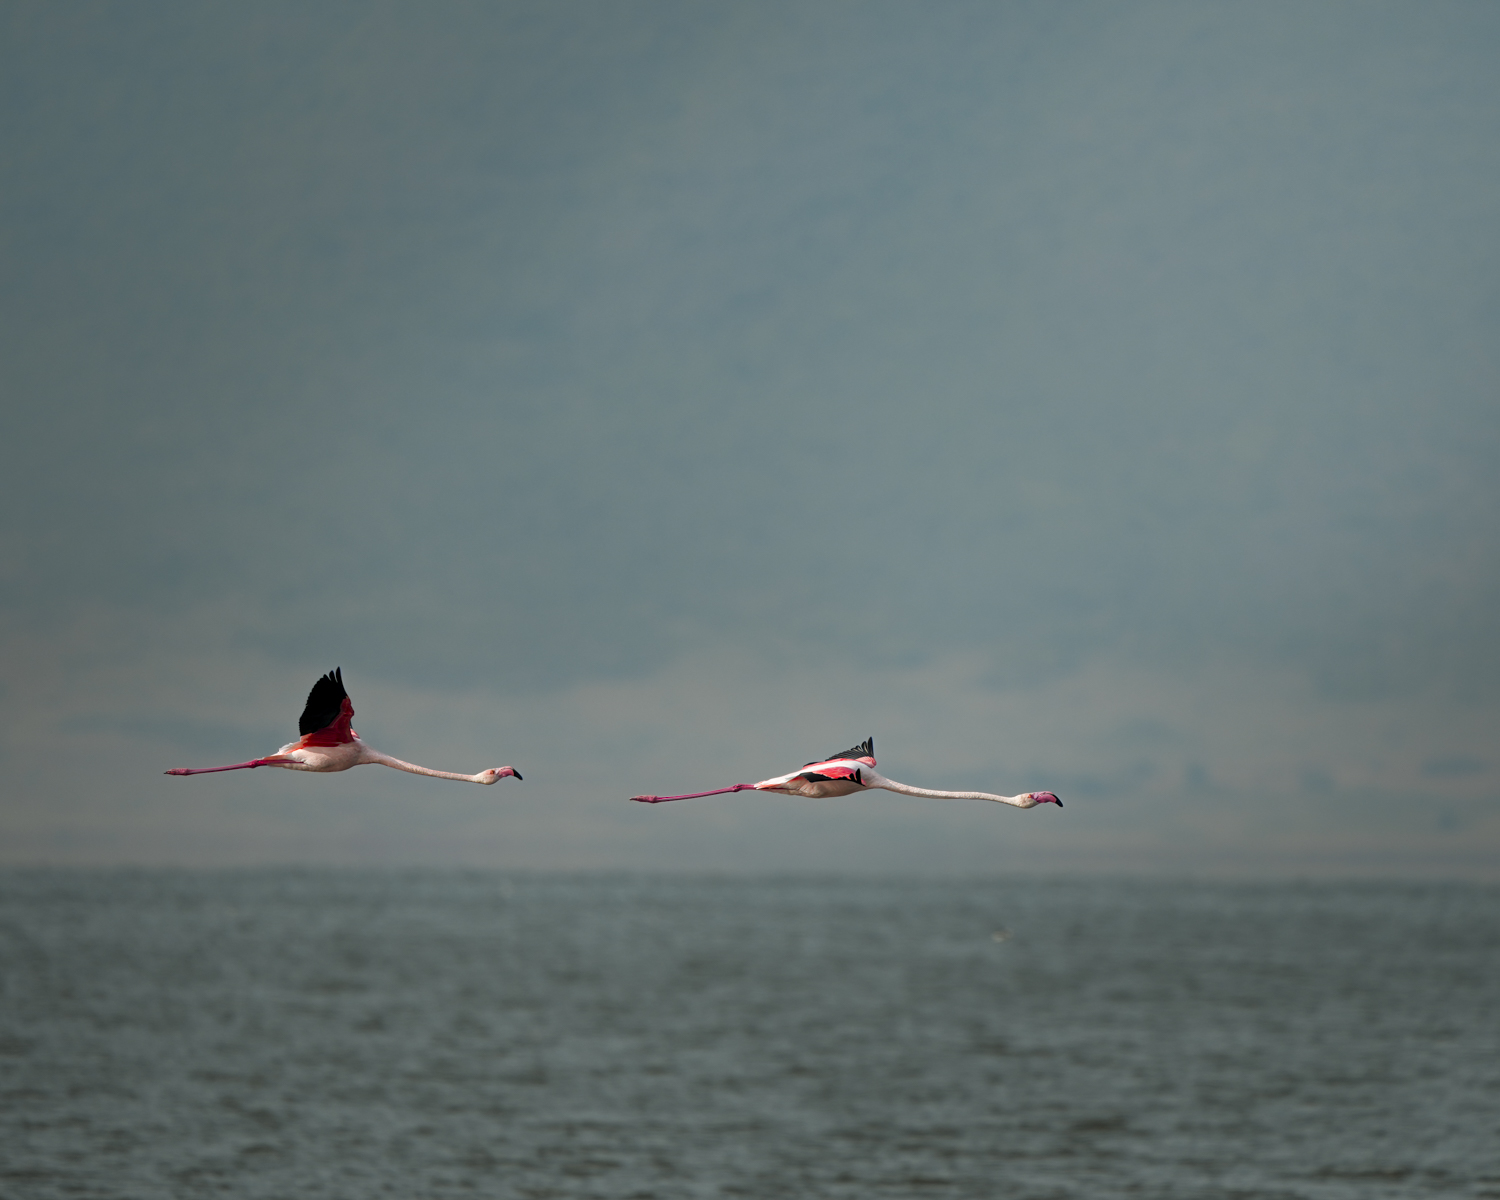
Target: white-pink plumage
(854, 771)
(329, 743)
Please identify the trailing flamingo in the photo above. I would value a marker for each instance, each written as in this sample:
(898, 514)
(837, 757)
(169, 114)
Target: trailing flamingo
(853, 771)
(328, 743)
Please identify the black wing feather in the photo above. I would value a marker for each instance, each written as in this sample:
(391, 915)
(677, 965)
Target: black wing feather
(866, 749)
(323, 703)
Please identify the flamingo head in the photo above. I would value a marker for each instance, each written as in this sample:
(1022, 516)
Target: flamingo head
(495, 774)
(1045, 798)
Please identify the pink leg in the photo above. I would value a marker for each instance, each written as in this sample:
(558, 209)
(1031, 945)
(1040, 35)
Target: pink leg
(274, 761)
(739, 787)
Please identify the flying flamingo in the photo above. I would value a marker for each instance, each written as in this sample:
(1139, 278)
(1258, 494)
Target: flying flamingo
(329, 744)
(853, 771)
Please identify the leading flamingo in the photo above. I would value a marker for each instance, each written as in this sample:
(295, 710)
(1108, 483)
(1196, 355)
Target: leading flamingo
(853, 770)
(328, 743)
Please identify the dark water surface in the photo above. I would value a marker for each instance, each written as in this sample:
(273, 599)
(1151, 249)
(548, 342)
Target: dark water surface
(340, 1034)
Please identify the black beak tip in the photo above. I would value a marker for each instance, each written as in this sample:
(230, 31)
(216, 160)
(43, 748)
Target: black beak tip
(518, 774)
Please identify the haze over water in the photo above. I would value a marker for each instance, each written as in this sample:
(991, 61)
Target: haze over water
(358, 1034)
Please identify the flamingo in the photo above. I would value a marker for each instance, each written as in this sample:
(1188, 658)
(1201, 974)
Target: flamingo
(853, 770)
(329, 744)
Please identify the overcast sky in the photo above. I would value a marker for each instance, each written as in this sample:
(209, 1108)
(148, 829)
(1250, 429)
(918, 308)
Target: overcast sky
(656, 396)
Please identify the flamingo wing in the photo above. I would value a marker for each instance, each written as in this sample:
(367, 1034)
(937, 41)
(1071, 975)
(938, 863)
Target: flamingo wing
(325, 703)
(866, 749)
(828, 773)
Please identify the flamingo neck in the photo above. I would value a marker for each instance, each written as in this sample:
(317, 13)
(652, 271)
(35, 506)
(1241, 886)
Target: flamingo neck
(875, 779)
(375, 756)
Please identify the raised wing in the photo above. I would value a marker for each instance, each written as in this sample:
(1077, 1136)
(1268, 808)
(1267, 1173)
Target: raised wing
(324, 703)
(866, 749)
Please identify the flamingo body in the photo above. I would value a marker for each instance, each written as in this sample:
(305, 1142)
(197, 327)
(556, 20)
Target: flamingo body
(854, 771)
(329, 743)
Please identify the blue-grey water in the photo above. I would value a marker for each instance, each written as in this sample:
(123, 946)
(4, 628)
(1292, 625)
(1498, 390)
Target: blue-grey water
(345, 1034)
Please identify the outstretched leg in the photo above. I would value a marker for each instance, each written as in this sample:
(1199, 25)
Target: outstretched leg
(276, 760)
(739, 787)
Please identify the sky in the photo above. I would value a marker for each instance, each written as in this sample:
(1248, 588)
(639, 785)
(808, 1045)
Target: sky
(659, 396)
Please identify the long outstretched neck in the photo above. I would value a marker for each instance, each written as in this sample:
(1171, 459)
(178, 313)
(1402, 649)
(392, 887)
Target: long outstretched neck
(739, 787)
(385, 760)
(872, 779)
(276, 760)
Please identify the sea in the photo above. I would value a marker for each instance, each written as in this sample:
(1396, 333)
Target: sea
(414, 1034)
